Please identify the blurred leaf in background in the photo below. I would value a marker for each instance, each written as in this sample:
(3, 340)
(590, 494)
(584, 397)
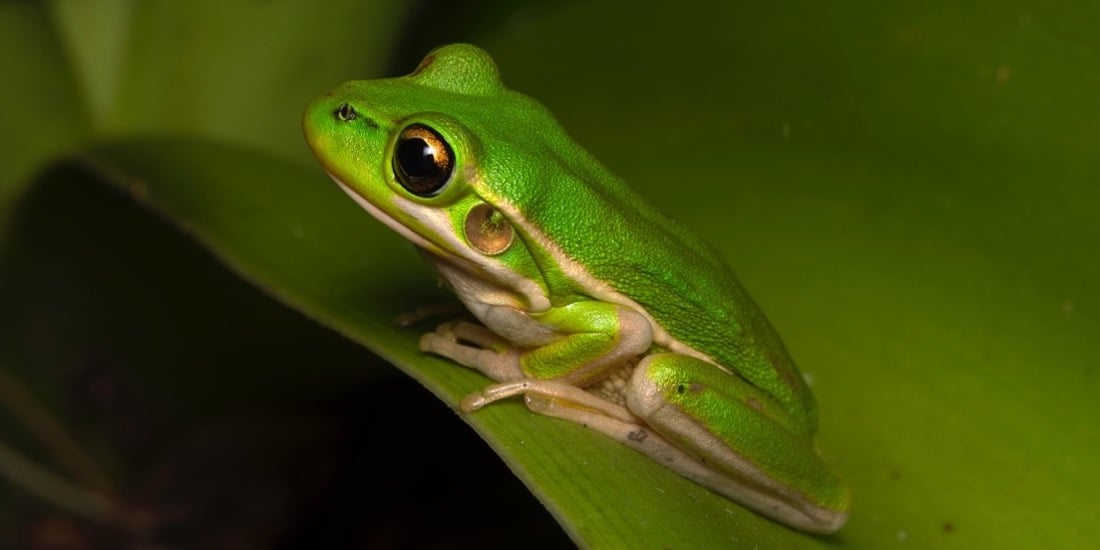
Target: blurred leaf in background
(910, 193)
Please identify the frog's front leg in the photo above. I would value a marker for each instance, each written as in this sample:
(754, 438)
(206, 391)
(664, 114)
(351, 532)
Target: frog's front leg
(575, 344)
(476, 347)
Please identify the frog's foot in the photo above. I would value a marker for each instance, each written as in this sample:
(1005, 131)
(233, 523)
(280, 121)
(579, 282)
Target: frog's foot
(538, 392)
(567, 402)
(476, 347)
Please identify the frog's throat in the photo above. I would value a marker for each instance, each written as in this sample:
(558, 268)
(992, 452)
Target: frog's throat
(455, 251)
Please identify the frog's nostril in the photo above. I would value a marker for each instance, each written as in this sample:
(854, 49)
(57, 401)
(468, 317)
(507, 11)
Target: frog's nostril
(345, 113)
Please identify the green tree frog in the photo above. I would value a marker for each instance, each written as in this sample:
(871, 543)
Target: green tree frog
(590, 303)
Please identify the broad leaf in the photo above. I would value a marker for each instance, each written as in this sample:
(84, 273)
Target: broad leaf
(909, 192)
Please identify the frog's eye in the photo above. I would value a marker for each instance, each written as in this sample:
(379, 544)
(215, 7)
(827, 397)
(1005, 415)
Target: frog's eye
(422, 161)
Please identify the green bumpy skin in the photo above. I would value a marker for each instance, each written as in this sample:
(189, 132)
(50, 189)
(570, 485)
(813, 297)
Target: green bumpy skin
(588, 298)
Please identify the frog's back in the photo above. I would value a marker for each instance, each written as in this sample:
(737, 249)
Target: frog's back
(621, 240)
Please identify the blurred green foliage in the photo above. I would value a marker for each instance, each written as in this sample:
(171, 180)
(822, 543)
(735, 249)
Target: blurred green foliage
(910, 193)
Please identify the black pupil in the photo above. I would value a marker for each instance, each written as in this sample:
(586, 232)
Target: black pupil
(422, 161)
(417, 159)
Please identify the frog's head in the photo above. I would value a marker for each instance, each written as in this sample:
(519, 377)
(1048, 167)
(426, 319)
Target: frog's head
(422, 152)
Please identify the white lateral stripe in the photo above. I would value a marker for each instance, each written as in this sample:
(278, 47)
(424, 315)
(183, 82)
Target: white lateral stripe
(605, 292)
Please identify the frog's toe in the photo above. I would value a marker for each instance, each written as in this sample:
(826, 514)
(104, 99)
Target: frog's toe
(479, 336)
(499, 362)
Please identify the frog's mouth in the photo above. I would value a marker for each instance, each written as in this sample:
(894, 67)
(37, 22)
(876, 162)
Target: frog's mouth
(391, 222)
(488, 269)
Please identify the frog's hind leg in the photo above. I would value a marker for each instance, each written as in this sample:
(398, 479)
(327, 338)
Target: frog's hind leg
(568, 402)
(730, 455)
(755, 454)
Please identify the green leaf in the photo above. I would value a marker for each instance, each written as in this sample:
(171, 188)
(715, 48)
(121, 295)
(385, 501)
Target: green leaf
(908, 191)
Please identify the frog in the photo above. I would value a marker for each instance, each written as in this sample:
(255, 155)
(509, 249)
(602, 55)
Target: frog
(584, 300)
